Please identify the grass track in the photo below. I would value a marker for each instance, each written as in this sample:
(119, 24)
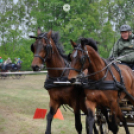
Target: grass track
(18, 101)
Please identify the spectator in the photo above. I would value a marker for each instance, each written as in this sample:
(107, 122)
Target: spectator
(1, 60)
(8, 61)
(19, 61)
(16, 60)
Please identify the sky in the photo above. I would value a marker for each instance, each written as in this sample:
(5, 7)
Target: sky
(15, 1)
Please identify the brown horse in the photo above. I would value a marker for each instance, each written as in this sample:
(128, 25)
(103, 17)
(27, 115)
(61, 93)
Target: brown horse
(47, 50)
(100, 74)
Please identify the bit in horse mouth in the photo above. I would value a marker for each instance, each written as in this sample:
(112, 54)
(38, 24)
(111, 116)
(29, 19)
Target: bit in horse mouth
(72, 80)
(37, 68)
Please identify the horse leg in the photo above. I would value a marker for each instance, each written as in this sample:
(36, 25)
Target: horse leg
(101, 129)
(52, 111)
(119, 114)
(111, 125)
(90, 117)
(123, 119)
(78, 124)
(87, 127)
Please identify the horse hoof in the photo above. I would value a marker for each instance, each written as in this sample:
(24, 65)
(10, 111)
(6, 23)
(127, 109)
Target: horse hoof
(47, 133)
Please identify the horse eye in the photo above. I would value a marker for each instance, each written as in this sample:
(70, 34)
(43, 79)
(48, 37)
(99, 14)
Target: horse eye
(82, 60)
(32, 48)
(69, 57)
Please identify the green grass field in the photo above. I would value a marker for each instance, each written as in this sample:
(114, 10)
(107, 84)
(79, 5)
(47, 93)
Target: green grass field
(18, 101)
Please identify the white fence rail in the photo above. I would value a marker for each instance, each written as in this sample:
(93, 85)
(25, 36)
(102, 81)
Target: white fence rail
(24, 72)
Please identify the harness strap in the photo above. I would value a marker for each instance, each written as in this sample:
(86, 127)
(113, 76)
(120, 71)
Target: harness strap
(118, 69)
(43, 60)
(121, 85)
(105, 85)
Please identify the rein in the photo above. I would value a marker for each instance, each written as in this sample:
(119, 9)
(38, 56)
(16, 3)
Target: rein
(58, 68)
(107, 65)
(48, 49)
(99, 72)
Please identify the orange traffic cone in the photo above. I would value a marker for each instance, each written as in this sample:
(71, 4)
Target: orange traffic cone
(40, 113)
(59, 115)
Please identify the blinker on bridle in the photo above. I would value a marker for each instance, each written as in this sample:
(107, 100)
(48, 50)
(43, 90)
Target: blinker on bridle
(82, 59)
(47, 48)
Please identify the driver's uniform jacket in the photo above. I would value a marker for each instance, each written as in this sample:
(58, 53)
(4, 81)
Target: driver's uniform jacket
(122, 48)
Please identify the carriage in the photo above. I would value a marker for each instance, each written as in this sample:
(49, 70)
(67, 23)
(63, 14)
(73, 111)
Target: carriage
(10, 67)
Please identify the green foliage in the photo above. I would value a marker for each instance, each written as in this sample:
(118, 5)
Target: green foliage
(99, 20)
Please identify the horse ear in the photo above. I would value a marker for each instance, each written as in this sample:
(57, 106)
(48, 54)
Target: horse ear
(49, 34)
(82, 42)
(73, 43)
(38, 31)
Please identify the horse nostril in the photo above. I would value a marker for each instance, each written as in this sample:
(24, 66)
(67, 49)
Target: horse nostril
(35, 67)
(72, 80)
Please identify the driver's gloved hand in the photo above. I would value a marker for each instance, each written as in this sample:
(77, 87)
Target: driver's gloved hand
(111, 58)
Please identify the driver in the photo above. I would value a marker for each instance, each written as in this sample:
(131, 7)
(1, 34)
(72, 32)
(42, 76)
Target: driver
(124, 46)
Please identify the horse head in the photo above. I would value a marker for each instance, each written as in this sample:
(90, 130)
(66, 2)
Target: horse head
(42, 49)
(80, 57)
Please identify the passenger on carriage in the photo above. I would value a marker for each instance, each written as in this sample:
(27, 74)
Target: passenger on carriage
(1, 60)
(19, 61)
(124, 46)
(15, 60)
(6, 62)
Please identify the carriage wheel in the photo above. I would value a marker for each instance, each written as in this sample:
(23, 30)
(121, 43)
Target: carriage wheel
(16, 76)
(23, 76)
(105, 128)
(1, 77)
(4, 76)
(102, 127)
(101, 124)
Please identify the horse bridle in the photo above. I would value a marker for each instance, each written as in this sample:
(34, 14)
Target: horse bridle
(82, 59)
(47, 48)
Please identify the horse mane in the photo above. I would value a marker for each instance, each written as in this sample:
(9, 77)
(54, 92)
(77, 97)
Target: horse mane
(55, 37)
(90, 42)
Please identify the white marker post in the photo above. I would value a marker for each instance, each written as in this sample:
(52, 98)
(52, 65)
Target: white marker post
(66, 7)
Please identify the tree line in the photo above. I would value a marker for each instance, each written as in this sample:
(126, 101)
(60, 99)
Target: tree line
(99, 20)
